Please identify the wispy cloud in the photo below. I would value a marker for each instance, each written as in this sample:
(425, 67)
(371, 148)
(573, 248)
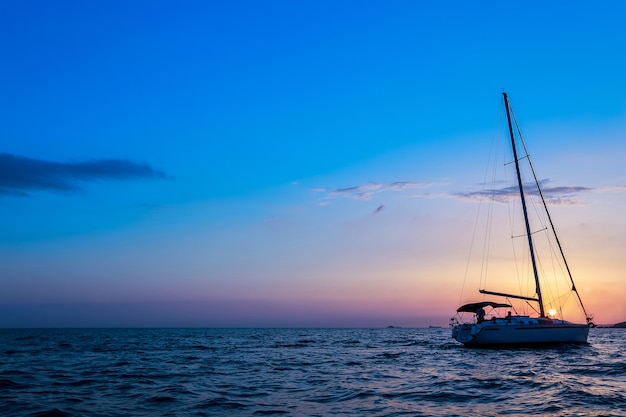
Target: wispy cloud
(558, 195)
(614, 188)
(367, 191)
(19, 175)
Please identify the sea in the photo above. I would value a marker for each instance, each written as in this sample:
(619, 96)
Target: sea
(303, 372)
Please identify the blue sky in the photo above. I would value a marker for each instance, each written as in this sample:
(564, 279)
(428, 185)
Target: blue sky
(281, 163)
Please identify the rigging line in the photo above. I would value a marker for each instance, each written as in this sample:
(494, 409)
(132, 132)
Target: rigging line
(512, 306)
(554, 258)
(480, 205)
(557, 271)
(559, 300)
(512, 220)
(560, 304)
(491, 204)
(490, 217)
(535, 232)
(469, 256)
(550, 220)
(548, 290)
(519, 271)
(533, 308)
(519, 159)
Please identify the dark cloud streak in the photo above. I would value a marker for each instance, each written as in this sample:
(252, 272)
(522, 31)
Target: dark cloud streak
(367, 191)
(556, 195)
(19, 174)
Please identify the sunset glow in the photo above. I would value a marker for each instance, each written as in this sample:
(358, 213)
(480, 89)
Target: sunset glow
(286, 164)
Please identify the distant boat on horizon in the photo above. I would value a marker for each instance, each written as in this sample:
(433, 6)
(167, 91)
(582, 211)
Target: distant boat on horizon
(507, 329)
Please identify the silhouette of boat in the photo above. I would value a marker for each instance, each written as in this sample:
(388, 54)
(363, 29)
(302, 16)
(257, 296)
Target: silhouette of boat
(518, 329)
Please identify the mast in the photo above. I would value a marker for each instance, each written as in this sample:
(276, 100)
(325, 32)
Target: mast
(521, 193)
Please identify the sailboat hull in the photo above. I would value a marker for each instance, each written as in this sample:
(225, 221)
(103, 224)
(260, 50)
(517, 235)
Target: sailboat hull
(519, 331)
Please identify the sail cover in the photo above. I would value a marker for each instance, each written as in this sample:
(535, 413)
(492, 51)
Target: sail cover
(472, 307)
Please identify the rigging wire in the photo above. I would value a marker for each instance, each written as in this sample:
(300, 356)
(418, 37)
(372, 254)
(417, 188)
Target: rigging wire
(482, 274)
(587, 316)
(490, 191)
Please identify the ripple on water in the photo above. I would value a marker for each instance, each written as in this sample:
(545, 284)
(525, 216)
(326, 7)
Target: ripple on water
(373, 372)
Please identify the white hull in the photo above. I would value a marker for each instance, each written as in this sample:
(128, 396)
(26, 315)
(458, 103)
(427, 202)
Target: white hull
(519, 330)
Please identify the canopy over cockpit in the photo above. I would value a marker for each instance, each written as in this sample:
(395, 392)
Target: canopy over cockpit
(473, 307)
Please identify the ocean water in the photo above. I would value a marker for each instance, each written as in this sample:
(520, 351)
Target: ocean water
(302, 372)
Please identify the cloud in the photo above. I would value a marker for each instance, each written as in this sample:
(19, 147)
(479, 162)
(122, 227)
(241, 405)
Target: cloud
(19, 175)
(359, 192)
(615, 188)
(556, 195)
(367, 191)
(560, 195)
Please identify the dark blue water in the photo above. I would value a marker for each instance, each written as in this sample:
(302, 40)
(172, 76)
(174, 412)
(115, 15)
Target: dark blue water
(302, 372)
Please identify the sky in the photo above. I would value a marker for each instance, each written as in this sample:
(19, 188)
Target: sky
(293, 164)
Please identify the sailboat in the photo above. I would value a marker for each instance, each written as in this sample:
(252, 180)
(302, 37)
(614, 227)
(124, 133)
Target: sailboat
(492, 323)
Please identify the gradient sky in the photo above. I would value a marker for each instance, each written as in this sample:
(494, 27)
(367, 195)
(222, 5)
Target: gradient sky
(293, 163)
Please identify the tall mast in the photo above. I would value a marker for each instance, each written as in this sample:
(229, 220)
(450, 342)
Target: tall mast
(521, 193)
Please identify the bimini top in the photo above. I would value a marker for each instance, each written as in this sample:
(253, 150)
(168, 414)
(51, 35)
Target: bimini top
(472, 307)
